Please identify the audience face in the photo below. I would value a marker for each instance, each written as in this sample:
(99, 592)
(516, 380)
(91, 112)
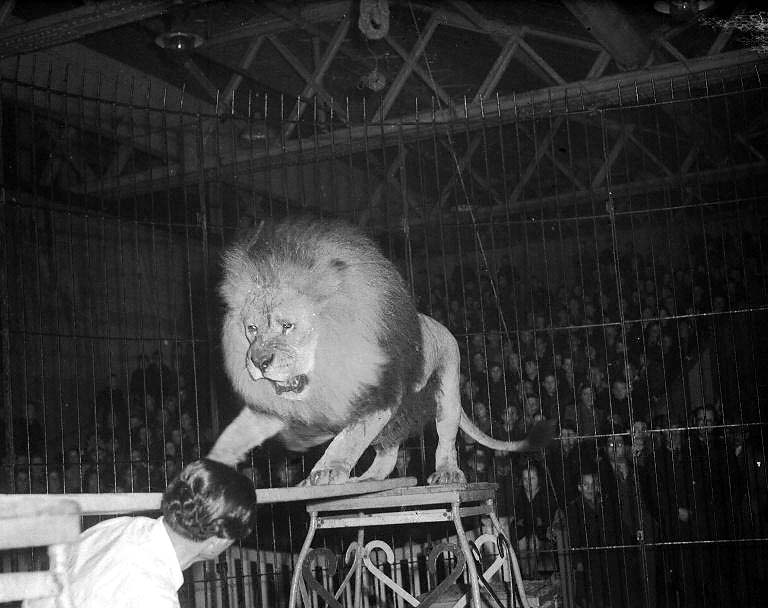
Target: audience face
(619, 390)
(541, 346)
(549, 384)
(73, 457)
(171, 449)
(568, 440)
(481, 411)
(186, 422)
(54, 483)
(589, 487)
(595, 376)
(478, 342)
(530, 477)
(705, 419)
(530, 368)
(510, 416)
(496, 373)
(478, 362)
(587, 396)
(567, 366)
(532, 406)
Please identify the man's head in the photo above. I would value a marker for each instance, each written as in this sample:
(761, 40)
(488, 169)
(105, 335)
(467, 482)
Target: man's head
(704, 417)
(619, 389)
(587, 395)
(210, 500)
(568, 437)
(589, 485)
(549, 384)
(530, 477)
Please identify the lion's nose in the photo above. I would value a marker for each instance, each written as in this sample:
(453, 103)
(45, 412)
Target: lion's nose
(265, 363)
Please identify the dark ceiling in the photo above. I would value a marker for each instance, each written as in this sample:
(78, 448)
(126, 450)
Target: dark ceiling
(557, 42)
(318, 69)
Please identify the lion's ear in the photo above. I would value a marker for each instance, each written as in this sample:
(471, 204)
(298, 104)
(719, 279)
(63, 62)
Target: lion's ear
(238, 276)
(325, 280)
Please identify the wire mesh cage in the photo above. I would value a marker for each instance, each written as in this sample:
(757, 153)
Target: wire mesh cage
(598, 256)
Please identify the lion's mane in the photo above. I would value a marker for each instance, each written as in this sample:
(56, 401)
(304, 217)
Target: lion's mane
(369, 353)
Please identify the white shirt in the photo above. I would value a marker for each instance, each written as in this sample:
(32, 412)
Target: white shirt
(125, 562)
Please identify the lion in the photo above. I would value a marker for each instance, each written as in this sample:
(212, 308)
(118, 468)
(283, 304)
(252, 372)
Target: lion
(322, 340)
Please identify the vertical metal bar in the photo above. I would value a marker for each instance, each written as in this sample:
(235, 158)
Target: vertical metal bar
(5, 343)
(206, 256)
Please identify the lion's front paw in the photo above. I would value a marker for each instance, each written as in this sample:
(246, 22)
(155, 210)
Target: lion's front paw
(446, 476)
(326, 477)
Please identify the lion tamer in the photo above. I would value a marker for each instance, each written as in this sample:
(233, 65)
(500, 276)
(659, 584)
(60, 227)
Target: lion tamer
(322, 340)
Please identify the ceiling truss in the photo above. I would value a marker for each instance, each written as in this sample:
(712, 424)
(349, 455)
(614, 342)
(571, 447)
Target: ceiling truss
(611, 42)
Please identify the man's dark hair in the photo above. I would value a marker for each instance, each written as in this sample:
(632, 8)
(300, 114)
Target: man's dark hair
(210, 499)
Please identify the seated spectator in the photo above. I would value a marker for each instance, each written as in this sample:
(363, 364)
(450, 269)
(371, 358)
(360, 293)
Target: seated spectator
(480, 416)
(531, 409)
(618, 405)
(496, 390)
(635, 516)
(597, 380)
(563, 463)
(55, 485)
(544, 354)
(514, 372)
(567, 382)
(553, 400)
(512, 426)
(531, 372)
(584, 413)
(532, 516)
(593, 526)
(478, 372)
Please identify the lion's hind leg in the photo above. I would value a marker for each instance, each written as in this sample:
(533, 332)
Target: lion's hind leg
(442, 357)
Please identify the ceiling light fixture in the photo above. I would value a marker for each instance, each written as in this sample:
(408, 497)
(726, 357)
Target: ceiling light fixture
(682, 8)
(179, 41)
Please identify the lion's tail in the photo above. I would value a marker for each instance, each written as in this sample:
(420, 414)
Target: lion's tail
(538, 438)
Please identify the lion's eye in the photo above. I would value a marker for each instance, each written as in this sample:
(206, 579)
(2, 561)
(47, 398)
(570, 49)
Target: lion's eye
(251, 330)
(287, 326)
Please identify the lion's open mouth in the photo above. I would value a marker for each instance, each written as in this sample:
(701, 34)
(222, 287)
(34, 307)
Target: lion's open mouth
(293, 385)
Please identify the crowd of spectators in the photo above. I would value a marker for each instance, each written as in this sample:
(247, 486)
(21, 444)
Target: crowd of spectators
(652, 384)
(132, 441)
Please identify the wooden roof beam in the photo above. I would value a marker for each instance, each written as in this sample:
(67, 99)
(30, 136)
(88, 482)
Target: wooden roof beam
(604, 90)
(405, 71)
(501, 33)
(420, 71)
(314, 80)
(319, 12)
